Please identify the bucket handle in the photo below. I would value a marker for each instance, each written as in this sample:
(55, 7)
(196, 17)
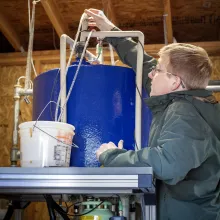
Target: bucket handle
(35, 126)
(45, 109)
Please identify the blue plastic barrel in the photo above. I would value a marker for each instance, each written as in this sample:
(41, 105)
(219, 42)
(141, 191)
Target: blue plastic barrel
(101, 107)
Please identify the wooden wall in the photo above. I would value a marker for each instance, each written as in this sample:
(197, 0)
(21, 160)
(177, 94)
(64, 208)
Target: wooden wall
(8, 77)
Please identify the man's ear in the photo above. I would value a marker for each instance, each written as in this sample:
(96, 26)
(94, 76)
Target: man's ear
(176, 83)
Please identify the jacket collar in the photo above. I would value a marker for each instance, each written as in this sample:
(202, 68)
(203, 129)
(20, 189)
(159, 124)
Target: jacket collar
(160, 103)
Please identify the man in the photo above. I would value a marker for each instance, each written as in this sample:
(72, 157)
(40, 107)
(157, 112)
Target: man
(184, 144)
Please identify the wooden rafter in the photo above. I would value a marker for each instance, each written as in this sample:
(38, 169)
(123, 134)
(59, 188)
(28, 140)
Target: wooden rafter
(168, 20)
(53, 56)
(9, 32)
(55, 17)
(109, 11)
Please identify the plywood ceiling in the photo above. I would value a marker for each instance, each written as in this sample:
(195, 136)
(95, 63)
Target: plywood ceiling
(192, 21)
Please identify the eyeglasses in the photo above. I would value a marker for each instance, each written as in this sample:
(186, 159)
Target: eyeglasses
(157, 70)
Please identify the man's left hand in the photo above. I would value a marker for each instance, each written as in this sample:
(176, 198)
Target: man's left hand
(106, 146)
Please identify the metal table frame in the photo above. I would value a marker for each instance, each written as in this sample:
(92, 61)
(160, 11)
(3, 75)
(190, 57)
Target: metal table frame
(15, 181)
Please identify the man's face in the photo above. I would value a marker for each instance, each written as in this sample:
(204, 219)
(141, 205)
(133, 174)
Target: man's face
(162, 82)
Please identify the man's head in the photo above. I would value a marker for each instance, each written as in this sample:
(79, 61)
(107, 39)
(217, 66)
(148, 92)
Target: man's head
(180, 67)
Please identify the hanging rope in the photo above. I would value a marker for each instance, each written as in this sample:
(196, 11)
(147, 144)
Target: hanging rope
(69, 61)
(30, 45)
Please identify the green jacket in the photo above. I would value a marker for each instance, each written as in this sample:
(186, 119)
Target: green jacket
(184, 147)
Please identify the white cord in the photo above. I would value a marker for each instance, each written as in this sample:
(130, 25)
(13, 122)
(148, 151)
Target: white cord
(21, 77)
(30, 45)
(69, 61)
(29, 16)
(77, 35)
(116, 62)
(32, 62)
(112, 55)
(31, 21)
(30, 82)
(75, 76)
(31, 28)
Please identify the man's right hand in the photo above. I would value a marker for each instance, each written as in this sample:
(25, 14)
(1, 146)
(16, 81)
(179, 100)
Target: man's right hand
(100, 19)
(107, 146)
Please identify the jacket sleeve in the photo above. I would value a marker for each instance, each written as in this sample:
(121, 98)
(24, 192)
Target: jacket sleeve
(183, 144)
(127, 52)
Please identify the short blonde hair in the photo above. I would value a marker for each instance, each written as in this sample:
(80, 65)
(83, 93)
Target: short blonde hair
(190, 62)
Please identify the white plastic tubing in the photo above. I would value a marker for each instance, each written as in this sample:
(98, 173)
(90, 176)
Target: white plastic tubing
(74, 78)
(213, 88)
(64, 40)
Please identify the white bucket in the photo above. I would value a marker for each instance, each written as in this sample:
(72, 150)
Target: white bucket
(50, 145)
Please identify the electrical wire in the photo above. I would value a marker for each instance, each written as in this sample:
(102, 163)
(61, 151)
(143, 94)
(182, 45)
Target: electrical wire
(91, 209)
(53, 206)
(68, 207)
(88, 211)
(85, 212)
(118, 197)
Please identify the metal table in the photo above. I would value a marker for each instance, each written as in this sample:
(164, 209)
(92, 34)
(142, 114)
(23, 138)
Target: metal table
(75, 180)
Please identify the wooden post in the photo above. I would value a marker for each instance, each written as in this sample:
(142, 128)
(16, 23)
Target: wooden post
(168, 21)
(9, 32)
(109, 11)
(55, 17)
(37, 64)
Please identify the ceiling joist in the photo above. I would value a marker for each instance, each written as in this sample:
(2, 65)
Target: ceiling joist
(168, 21)
(55, 17)
(53, 56)
(9, 32)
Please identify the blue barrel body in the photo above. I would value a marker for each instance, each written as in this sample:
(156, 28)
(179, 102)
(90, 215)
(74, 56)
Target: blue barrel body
(101, 107)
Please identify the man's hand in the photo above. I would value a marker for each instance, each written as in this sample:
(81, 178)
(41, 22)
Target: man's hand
(106, 146)
(98, 18)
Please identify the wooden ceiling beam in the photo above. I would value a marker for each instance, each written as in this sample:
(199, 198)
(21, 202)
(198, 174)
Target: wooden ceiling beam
(53, 56)
(109, 11)
(55, 17)
(9, 32)
(168, 21)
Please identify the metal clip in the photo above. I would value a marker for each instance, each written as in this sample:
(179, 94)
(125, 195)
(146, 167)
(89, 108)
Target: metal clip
(26, 99)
